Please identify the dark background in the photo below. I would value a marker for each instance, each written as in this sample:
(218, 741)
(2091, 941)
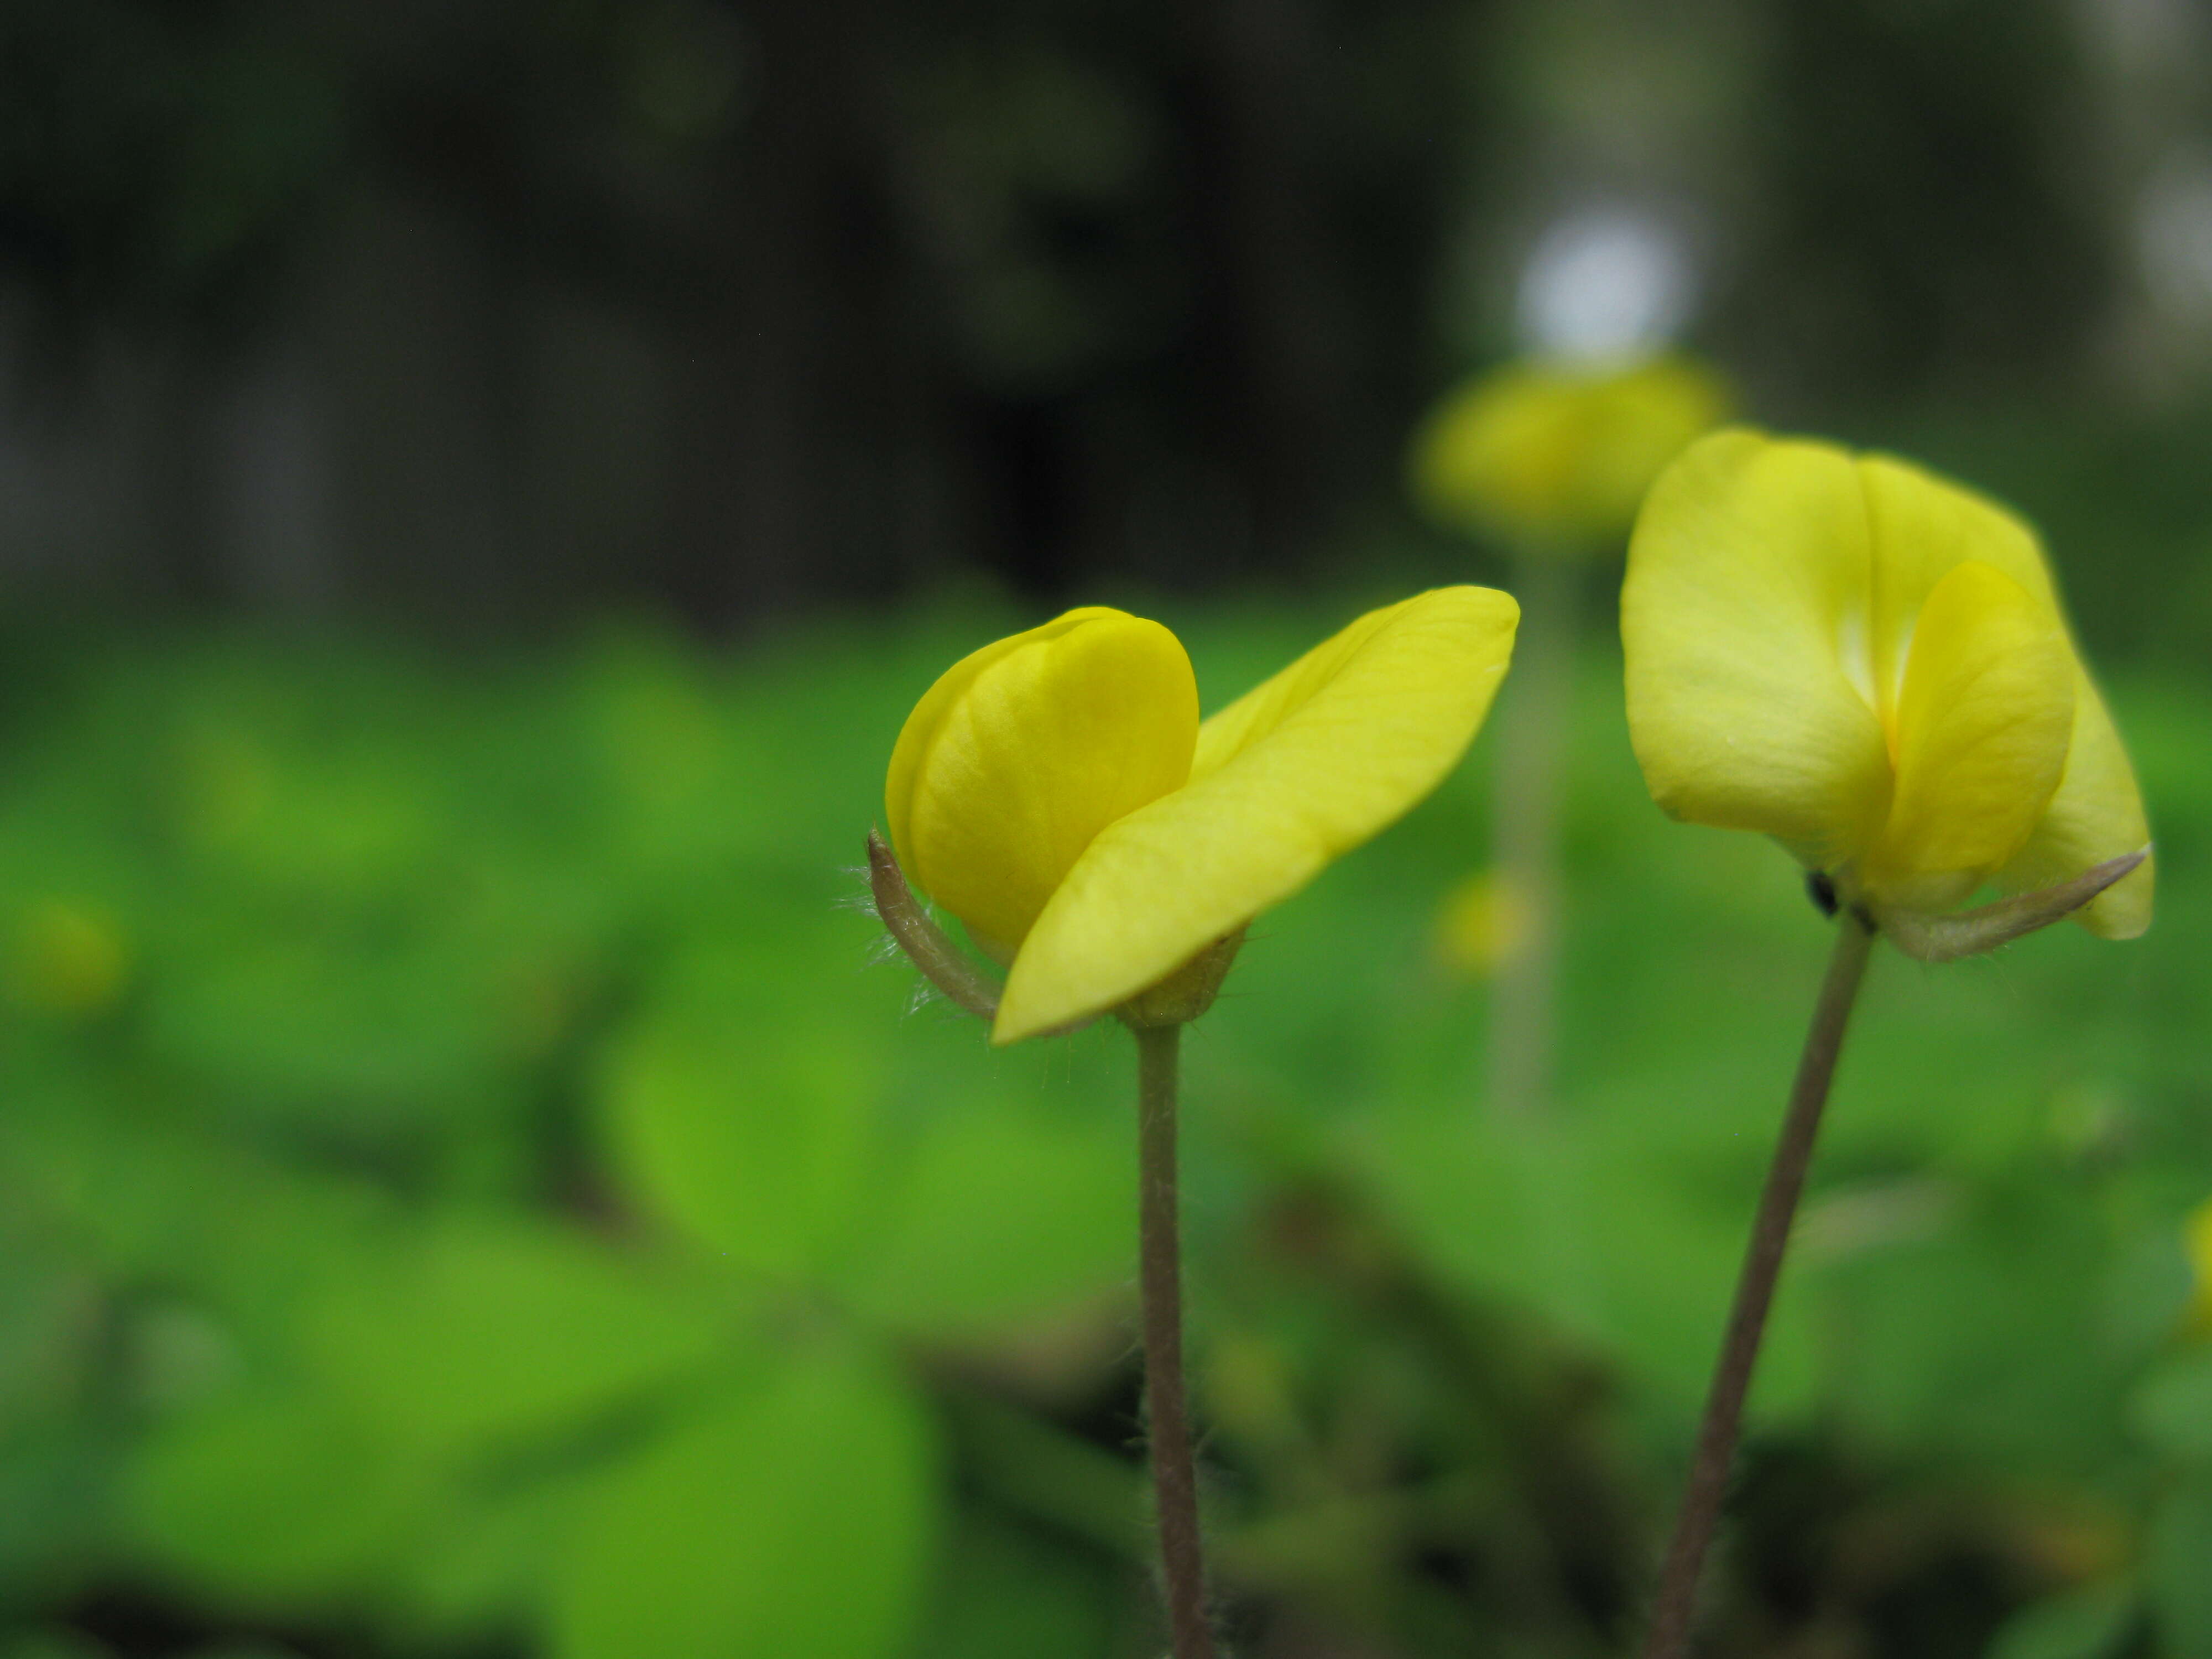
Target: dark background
(489, 312)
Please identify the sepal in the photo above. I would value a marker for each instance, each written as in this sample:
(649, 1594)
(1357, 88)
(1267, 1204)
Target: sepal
(1186, 993)
(1975, 932)
(927, 946)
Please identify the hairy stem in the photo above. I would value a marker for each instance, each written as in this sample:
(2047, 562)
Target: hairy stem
(1670, 1634)
(1175, 1478)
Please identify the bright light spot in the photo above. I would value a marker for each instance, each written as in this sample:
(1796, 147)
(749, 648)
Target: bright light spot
(2173, 238)
(2140, 35)
(1606, 284)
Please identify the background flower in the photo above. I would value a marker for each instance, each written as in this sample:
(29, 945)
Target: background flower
(1558, 452)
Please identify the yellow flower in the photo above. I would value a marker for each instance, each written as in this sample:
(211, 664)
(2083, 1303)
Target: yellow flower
(1057, 792)
(1558, 454)
(1870, 665)
(71, 960)
(2196, 1243)
(1485, 924)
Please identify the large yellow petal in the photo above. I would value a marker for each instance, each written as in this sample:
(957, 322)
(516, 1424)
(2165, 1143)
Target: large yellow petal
(920, 732)
(1029, 755)
(1924, 527)
(2097, 814)
(1295, 774)
(1984, 715)
(1742, 619)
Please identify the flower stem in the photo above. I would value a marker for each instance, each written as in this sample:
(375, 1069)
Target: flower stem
(1533, 726)
(1670, 1634)
(1175, 1479)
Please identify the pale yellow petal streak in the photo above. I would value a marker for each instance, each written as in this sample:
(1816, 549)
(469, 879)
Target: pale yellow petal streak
(1319, 758)
(1923, 528)
(1983, 718)
(1742, 619)
(1041, 748)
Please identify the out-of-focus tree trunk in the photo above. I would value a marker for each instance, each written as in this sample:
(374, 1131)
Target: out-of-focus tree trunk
(419, 338)
(1289, 388)
(770, 495)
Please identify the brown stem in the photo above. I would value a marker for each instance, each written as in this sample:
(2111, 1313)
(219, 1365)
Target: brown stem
(1670, 1634)
(1175, 1479)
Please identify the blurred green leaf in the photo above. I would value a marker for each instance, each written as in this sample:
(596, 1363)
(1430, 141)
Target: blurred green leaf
(791, 1517)
(757, 1139)
(275, 1501)
(998, 1215)
(2149, 1288)
(2087, 1624)
(483, 1329)
(2177, 1566)
(1008, 1595)
(1982, 1341)
(2173, 1408)
(52, 1645)
(1597, 1231)
(481, 1567)
(322, 1021)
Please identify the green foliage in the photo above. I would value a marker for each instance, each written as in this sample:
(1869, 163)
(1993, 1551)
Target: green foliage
(792, 1516)
(464, 1185)
(480, 1334)
(275, 1501)
(753, 1143)
(2089, 1624)
(2179, 1565)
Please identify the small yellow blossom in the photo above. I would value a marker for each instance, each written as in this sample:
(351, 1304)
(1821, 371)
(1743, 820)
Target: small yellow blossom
(1871, 665)
(1485, 923)
(1058, 793)
(2196, 1241)
(1558, 454)
(71, 960)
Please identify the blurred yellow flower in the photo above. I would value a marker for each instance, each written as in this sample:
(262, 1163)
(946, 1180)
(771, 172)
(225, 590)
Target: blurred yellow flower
(1485, 922)
(1057, 792)
(2196, 1240)
(70, 960)
(1870, 665)
(1558, 454)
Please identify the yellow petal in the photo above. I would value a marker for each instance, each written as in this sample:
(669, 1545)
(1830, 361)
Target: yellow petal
(1984, 715)
(1639, 421)
(1500, 451)
(1742, 619)
(2196, 1243)
(2096, 814)
(1296, 772)
(1924, 527)
(920, 732)
(1026, 751)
